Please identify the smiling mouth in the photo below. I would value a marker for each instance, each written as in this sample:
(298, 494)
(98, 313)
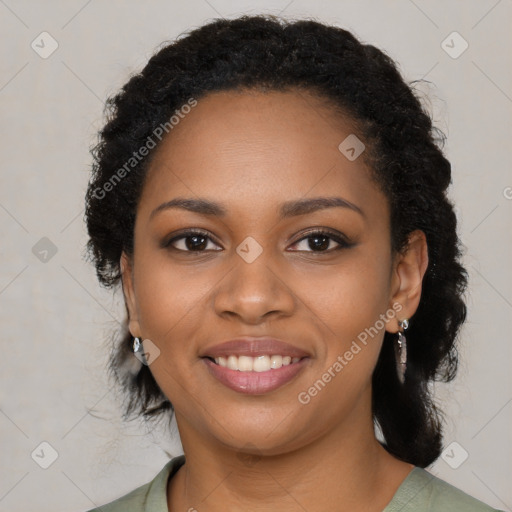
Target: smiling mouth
(255, 375)
(261, 363)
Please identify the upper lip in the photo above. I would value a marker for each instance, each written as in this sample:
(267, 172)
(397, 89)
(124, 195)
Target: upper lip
(250, 346)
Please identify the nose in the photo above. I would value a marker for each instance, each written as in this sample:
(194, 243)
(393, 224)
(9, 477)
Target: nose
(254, 292)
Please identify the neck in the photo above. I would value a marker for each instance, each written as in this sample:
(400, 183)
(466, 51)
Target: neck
(346, 466)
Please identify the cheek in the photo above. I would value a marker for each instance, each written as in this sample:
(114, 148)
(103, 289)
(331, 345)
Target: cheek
(350, 304)
(351, 297)
(169, 300)
(169, 296)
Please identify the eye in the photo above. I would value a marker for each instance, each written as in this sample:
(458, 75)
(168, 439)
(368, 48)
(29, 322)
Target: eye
(192, 240)
(320, 241)
(195, 240)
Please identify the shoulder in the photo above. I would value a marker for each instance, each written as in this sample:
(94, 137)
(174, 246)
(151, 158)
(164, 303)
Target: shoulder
(131, 502)
(422, 491)
(150, 497)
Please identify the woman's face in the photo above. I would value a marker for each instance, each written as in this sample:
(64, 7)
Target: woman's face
(253, 272)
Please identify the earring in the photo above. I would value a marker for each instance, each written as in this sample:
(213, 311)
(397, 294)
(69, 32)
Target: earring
(138, 350)
(401, 350)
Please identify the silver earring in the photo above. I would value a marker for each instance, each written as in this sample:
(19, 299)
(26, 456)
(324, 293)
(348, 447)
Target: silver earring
(401, 350)
(138, 349)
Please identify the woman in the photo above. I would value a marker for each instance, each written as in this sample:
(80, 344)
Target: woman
(272, 197)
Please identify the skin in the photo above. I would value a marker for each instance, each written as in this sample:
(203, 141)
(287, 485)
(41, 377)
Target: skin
(252, 151)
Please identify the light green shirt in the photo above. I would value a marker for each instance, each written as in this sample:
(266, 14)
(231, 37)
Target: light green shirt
(419, 492)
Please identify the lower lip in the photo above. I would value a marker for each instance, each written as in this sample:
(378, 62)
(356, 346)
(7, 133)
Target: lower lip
(255, 383)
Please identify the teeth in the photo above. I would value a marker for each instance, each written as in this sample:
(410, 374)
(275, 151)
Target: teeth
(260, 363)
(276, 362)
(245, 364)
(255, 364)
(232, 362)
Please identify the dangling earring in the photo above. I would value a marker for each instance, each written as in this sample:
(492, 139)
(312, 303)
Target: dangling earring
(138, 350)
(401, 350)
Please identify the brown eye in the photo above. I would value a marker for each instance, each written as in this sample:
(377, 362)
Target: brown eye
(321, 241)
(191, 241)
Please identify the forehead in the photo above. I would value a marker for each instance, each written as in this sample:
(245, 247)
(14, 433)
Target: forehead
(294, 120)
(258, 147)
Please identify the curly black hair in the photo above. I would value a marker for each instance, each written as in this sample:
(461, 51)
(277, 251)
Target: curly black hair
(405, 151)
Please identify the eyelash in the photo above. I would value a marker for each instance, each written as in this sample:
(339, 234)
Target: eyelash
(342, 243)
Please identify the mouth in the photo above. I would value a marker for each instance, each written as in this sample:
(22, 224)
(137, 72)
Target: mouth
(255, 365)
(261, 363)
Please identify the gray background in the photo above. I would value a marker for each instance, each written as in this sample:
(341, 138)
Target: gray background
(55, 319)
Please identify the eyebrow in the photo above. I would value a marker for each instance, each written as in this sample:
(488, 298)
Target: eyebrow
(288, 209)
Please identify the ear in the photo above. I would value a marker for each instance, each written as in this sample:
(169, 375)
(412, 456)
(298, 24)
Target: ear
(129, 294)
(408, 270)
